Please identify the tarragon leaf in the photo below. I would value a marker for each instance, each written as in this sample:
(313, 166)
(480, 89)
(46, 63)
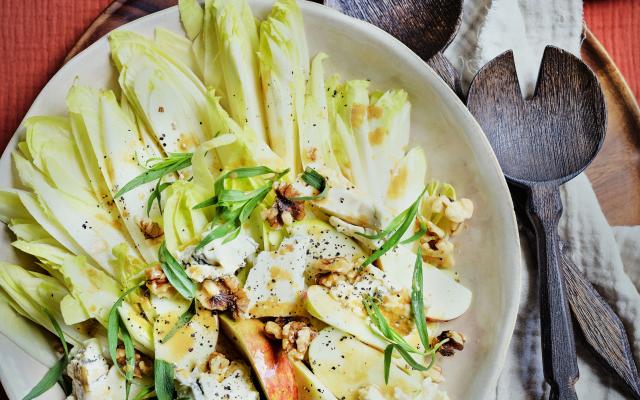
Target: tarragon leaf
(394, 239)
(207, 203)
(157, 195)
(182, 321)
(59, 332)
(175, 162)
(114, 325)
(218, 232)
(253, 203)
(417, 302)
(393, 225)
(48, 380)
(164, 379)
(144, 392)
(130, 357)
(416, 236)
(388, 353)
(410, 360)
(312, 178)
(175, 273)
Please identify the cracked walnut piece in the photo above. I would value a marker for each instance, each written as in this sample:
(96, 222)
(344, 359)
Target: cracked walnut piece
(437, 249)
(328, 272)
(223, 294)
(284, 210)
(157, 281)
(296, 336)
(150, 229)
(455, 343)
(143, 365)
(219, 366)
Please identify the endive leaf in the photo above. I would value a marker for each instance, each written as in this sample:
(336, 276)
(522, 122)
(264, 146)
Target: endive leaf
(191, 16)
(237, 37)
(164, 92)
(89, 225)
(315, 135)
(284, 68)
(118, 152)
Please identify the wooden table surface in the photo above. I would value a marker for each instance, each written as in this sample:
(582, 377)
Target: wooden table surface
(36, 36)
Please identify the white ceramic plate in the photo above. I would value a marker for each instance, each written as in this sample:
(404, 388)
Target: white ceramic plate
(488, 258)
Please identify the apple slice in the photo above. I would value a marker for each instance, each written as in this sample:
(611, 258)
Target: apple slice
(271, 365)
(326, 241)
(321, 305)
(345, 365)
(309, 386)
(444, 298)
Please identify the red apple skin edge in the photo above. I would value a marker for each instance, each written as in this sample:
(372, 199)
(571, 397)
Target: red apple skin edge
(270, 363)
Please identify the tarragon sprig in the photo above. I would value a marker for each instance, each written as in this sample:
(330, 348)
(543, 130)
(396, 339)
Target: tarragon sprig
(417, 301)
(173, 163)
(239, 173)
(55, 373)
(156, 195)
(234, 207)
(394, 231)
(396, 340)
(116, 329)
(48, 380)
(233, 218)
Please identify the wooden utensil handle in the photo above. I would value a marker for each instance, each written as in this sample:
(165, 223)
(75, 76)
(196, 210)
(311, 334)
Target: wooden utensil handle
(602, 328)
(558, 346)
(443, 67)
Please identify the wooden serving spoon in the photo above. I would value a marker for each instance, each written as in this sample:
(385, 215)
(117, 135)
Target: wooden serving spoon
(542, 143)
(602, 329)
(426, 26)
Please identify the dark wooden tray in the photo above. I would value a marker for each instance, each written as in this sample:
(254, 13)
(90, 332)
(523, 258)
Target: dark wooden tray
(615, 173)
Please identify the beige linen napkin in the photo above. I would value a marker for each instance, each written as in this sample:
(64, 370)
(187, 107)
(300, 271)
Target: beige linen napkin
(608, 256)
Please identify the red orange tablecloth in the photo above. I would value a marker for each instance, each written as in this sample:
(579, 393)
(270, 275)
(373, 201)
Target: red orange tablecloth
(35, 36)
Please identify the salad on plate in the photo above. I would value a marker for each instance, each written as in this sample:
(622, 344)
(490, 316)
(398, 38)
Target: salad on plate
(234, 223)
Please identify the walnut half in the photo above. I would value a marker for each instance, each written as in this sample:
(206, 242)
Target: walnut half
(217, 365)
(284, 210)
(328, 272)
(150, 229)
(157, 281)
(223, 294)
(296, 335)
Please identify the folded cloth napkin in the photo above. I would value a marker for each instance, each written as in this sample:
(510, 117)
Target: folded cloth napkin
(608, 256)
